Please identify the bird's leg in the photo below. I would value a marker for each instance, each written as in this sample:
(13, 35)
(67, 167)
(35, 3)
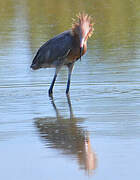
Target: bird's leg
(54, 78)
(52, 84)
(70, 67)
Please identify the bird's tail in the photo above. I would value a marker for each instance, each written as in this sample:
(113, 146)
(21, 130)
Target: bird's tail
(34, 66)
(35, 62)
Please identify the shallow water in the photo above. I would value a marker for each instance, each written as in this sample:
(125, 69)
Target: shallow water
(91, 134)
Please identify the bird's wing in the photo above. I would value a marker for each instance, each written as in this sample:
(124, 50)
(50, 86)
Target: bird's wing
(56, 48)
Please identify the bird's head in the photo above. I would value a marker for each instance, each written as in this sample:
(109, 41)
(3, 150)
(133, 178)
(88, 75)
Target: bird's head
(83, 28)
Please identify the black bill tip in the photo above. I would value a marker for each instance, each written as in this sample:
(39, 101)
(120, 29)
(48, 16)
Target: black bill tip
(80, 53)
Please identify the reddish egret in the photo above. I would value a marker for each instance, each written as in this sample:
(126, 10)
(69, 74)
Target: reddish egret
(65, 48)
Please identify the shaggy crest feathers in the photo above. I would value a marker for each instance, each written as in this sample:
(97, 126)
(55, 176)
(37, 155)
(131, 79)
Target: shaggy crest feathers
(83, 21)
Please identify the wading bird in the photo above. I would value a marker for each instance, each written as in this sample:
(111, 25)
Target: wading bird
(65, 49)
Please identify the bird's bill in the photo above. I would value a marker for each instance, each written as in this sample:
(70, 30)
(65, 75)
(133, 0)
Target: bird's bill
(82, 42)
(80, 53)
(81, 46)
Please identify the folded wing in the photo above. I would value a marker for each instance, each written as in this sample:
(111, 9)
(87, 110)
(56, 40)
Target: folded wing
(53, 51)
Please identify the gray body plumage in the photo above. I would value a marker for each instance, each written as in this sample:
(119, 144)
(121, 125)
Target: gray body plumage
(54, 52)
(64, 49)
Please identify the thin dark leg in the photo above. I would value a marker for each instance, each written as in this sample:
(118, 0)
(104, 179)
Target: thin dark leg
(70, 67)
(52, 84)
(68, 84)
(54, 78)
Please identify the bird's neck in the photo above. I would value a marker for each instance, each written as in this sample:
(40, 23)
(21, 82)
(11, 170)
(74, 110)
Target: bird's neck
(77, 40)
(76, 45)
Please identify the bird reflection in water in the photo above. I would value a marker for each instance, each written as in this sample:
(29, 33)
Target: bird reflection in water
(64, 134)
